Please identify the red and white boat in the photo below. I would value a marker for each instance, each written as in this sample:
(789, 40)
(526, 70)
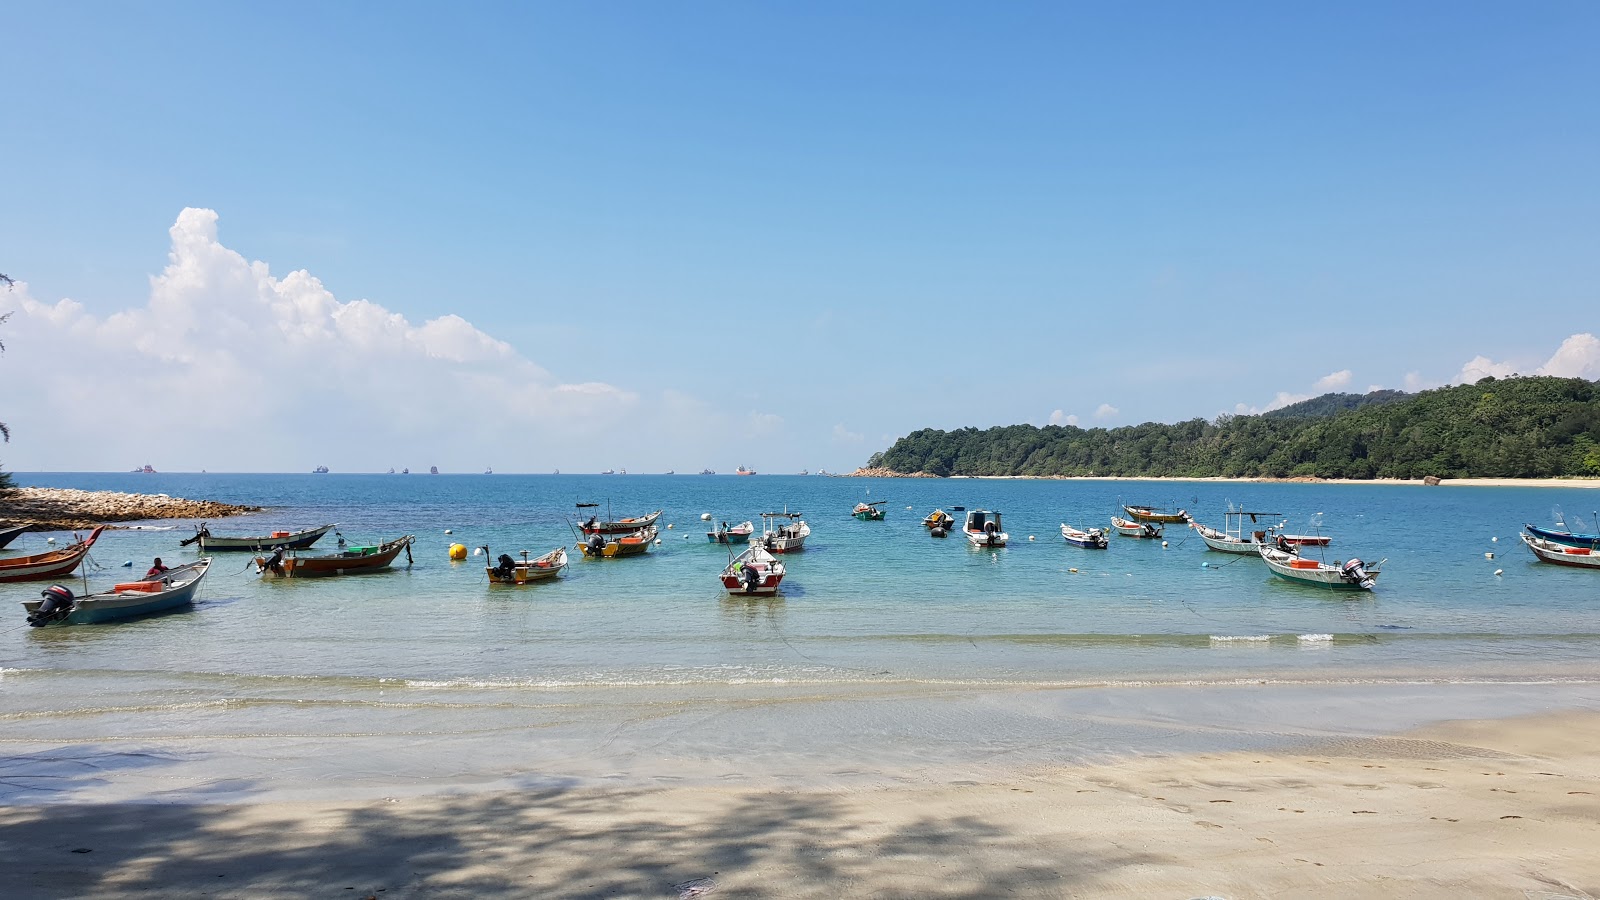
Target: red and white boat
(54, 564)
(1561, 554)
(753, 573)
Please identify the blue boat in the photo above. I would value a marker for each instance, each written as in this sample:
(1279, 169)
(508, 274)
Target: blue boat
(1567, 538)
(172, 589)
(731, 534)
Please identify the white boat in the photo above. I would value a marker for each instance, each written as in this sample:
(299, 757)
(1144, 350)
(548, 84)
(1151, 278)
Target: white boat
(522, 571)
(1135, 529)
(1351, 575)
(171, 589)
(983, 529)
(787, 537)
(1561, 554)
(1233, 538)
(753, 573)
(1089, 539)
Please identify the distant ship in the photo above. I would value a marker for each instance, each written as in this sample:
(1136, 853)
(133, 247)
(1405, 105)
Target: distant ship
(744, 471)
(433, 470)
(707, 472)
(670, 472)
(406, 471)
(146, 470)
(319, 470)
(391, 470)
(804, 472)
(609, 472)
(489, 470)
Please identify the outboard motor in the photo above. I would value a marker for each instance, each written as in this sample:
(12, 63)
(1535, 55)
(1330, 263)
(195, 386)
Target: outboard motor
(58, 603)
(597, 545)
(1355, 570)
(989, 531)
(506, 566)
(273, 562)
(752, 578)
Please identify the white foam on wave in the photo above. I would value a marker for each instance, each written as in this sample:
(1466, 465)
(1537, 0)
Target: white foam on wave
(1316, 638)
(1241, 638)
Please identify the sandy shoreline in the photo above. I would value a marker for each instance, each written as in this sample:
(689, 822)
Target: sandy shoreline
(1465, 809)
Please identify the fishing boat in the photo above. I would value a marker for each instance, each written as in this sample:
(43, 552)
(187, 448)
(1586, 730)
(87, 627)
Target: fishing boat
(1562, 554)
(939, 519)
(1233, 538)
(1565, 538)
(1351, 575)
(171, 589)
(1090, 539)
(53, 564)
(612, 546)
(508, 570)
(284, 563)
(626, 525)
(1155, 514)
(290, 540)
(753, 573)
(1135, 529)
(983, 529)
(732, 534)
(869, 512)
(789, 536)
(9, 533)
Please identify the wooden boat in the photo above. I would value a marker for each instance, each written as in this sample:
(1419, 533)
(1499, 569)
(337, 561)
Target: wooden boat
(1135, 529)
(626, 525)
(788, 537)
(1554, 536)
(10, 533)
(171, 589)
(753, 573)
(1155, 514)
(983, 529)
(53, 564)
(291, 540)
(284, 563)
(601, 546)
(939, 519)
(869, 512)
(732, 534)
(522, 571)
(1351, 575)
(1233, 538)
(1561, 554)
(1092, 539)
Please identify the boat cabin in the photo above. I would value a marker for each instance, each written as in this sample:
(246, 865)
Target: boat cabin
(978, 520)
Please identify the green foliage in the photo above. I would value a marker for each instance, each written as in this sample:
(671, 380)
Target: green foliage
(1505, 428)
(1333, 404)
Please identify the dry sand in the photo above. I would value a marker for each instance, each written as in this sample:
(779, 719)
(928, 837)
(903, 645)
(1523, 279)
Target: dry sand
(1506, 808)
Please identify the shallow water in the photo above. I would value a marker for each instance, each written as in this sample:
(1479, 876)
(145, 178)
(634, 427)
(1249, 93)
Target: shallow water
(887, 652)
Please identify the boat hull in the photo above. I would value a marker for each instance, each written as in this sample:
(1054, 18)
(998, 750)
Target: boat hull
(1225, 543)
(620, 526)
(1136, 529)
(636, 544)
(350, 562)
(1562, 554)
(7, 535)
(738, 534)
(1151, 514)
(530, 571)
(1565, 538)
(986, 539)
(54, 564)
(768, 571)
(298, 540)
(875, 515)
(1290, 567)
(1088, 540)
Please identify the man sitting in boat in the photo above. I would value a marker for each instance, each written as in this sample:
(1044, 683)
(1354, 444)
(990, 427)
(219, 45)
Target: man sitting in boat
(156, 570)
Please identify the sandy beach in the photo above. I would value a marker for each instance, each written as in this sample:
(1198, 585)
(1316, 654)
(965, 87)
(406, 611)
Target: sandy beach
(1463, 809)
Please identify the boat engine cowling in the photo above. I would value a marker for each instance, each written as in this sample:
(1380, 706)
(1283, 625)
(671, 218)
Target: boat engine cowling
(506, 566)
(752, 578)
(58, 603)
(597, 544)
(1355, 570)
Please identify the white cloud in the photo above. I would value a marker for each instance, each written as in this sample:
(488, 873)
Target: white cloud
(843, 435)
(1415, 382)
(1059, 417)
(1577, 357)
(1482, 367)
(1374, 387)
(227, 367)
(762, 424)
(1106, 411)
(1332, 381)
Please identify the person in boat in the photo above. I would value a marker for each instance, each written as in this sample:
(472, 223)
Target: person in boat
(156, 570)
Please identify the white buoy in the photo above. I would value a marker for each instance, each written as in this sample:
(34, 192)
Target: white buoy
(658, 542)
(1163, 543)
(1205, 565)
(1494, 540)
(128, 564)
(1030, 537)
(1488, 556)
(477, 551)
(705, 517)
(1073, 571)
(448, 531)
(1499, 571)
(49, 540)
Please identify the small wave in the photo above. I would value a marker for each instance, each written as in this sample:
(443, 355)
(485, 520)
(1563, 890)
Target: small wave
(1241, 638)
(1315, 639)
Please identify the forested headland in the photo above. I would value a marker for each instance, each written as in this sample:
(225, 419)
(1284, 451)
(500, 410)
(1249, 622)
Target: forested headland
(1518, 427)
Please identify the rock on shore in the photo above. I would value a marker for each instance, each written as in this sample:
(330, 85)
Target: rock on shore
(61, 509)
(887, 473)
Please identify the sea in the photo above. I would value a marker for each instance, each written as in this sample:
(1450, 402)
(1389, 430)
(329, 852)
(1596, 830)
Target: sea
(890, 657)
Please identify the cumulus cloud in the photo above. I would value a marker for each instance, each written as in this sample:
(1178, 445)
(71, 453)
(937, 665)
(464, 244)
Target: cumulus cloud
(226, 366)
(1106, 411)
(1059, 417)
(1577, 357)
(1333, 381)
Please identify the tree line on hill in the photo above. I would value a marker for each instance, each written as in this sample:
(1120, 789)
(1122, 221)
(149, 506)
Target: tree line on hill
(1518, 427)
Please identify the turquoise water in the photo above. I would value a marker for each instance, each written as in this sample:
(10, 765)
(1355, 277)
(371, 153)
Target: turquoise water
(646, 666)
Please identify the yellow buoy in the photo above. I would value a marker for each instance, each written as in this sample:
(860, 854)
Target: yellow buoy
(458, 551)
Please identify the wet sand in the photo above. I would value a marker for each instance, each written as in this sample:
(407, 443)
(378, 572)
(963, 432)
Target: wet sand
(1495, 808)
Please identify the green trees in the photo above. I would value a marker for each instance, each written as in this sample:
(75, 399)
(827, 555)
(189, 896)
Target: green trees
(1497, 428)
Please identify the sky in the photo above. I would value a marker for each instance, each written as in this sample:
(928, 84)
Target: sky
(653, 236)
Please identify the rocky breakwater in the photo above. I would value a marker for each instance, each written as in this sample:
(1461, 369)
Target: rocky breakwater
(880, 472)
(62, 509)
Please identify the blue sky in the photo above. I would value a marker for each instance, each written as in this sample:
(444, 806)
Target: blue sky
(690, 235)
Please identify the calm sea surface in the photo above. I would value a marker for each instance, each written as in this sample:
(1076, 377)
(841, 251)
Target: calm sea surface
(888, 652)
